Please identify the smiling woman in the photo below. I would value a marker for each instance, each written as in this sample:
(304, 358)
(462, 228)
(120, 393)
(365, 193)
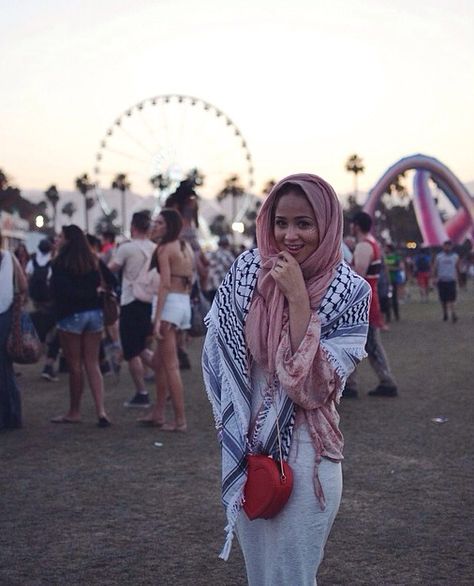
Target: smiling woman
(286, 328)
(295, 226)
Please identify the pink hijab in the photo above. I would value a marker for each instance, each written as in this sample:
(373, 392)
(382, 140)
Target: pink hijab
(265, 319)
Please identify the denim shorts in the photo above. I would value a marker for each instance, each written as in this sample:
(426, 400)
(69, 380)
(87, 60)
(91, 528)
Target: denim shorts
(84, 321)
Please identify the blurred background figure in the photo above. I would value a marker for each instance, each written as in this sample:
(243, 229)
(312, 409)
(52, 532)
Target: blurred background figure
(393, 262)
(22, 255)
(185, 201)
(110, 349)
(348, 246)
(10, 399)
(220, 261)
(75, 286)
(445, 273)
(174, 260)
(107, 248)
(135, 315)
(38, 271)
(422, 268)
(368, 264)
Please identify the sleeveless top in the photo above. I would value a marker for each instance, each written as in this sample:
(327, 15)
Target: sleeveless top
(372, 277)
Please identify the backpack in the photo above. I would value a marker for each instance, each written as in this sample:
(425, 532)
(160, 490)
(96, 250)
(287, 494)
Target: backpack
(145, 286)
(38, 286)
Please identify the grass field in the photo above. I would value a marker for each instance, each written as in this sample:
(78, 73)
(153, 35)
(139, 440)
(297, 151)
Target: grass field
(83, 505)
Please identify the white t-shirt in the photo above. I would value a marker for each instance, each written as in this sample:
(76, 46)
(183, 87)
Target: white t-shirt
(6, 281)
(446, 266)
(131, 256)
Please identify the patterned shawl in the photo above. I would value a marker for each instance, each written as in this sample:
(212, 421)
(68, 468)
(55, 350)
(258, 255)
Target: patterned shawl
(343, 314)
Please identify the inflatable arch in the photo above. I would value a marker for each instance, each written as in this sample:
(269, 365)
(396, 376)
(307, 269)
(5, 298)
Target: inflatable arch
(434, 232)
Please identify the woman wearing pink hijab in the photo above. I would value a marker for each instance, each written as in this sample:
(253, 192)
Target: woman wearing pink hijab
(287, 327)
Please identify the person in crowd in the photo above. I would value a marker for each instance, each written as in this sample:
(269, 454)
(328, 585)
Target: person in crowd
(185, 201)
(10, 398)
(422, 267)
(384, 290)
(107, 248)
(110, 349)
(22, 255)
(394, 263)
(463, 267)
(135, 314)
(220, 261)
(368, 264)
(174, 260)
(348, 245)
(286, 328)
(445, 274)
(38, 271)
(75, 287)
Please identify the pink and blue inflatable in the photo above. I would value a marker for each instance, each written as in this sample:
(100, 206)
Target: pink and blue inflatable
(432, 228)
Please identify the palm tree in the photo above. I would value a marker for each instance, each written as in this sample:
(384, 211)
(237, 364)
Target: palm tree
(52, 195)
(234, 190)
(398, 187)
(355, 164)
(84, 186)
(69, 209)
(269, 185)
(3, 180)
(120, 182)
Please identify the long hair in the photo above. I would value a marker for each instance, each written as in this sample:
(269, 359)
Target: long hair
(75, 255)
(174, 225)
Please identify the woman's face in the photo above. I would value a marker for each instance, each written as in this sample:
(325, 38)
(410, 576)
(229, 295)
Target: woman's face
(295, 228)
(159, 229)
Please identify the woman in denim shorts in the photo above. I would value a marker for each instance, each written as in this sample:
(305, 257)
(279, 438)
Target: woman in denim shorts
(76, 286)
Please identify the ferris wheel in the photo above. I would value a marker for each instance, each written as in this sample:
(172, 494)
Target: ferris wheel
(162, 140)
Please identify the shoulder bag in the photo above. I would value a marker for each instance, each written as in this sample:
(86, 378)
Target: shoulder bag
(269, 484)
(23, 343)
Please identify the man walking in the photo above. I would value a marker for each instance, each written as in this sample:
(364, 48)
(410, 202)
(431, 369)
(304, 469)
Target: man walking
(135, 315)
(367, 263)
(445, 272)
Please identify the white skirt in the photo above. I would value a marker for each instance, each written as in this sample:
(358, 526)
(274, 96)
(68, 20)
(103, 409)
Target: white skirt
(287, 550)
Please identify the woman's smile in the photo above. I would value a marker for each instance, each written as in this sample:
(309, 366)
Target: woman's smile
(295, 227)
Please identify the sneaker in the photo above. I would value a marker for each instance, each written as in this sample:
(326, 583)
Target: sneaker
(348, 393)
(383, 391)
(48, 373)
(139, 400)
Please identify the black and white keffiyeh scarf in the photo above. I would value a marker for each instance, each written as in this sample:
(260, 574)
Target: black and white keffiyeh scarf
(226, 369)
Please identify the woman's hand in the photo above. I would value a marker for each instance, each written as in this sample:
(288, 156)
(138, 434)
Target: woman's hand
(289, 278)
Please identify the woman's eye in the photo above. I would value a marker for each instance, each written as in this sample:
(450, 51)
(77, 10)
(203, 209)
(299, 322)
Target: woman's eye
(304, 225)
(280, 223)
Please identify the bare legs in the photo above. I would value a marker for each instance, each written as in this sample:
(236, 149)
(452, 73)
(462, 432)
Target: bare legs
(83, 350)
(168, 378)
(137, 370)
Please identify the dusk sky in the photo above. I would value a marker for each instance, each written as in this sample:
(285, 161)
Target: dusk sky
(307, 82)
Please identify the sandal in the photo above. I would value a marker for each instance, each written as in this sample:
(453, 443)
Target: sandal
(183, 428)
(64, 419)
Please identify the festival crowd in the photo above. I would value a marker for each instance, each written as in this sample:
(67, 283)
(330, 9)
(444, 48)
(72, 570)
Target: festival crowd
(96, 304)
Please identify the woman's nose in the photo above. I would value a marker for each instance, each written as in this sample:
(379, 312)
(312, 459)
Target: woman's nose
(291, 232)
